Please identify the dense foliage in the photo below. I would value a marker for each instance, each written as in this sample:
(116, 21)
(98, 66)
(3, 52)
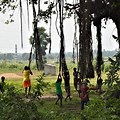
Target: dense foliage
(45, 40)
(40, 85)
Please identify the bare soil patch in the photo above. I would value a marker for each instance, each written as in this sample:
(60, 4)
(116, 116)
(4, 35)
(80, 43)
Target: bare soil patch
(10, 75)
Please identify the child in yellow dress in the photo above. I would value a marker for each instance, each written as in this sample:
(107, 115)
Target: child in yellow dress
(26, 80)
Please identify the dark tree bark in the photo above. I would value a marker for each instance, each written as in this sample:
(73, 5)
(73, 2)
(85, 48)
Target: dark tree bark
(39, 60)
(85, 41)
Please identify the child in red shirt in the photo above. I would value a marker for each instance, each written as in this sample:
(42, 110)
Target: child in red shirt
(84, 94)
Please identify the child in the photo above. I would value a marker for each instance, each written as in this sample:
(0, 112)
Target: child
(66, 77)
(99, 84)
(26, 80)
(75, 74)
(78, 86)
(2, 84)
(84, 94)
(58, 89)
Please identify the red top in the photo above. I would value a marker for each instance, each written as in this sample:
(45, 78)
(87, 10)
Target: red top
(84, 92)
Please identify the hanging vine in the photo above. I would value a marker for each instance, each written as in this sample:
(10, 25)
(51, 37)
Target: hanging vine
(84, 9)
(62, 48)
(28, 13)
(21, 23)
(99, 52)
(39, 60)
(50, 30)
(75, 42)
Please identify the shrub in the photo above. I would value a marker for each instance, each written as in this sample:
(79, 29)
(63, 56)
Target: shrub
(14, 107)
(39, 87)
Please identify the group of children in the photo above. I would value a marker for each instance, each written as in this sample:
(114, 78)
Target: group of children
(80, 85)
(26, 81)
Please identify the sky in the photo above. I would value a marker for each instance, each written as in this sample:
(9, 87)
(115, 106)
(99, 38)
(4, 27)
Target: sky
(10, 35)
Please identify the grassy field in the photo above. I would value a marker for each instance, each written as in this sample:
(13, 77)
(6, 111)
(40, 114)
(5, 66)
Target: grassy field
(16, 68)
(46, 105)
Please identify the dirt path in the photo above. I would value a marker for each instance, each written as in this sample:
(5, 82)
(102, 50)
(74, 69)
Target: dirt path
(10, 75)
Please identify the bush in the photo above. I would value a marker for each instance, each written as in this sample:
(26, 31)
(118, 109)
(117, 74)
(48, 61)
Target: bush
(39, 87)
(14, 107)
(107, 67)
(12, 66)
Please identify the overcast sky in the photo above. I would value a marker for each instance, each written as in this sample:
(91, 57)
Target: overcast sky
(10, 35)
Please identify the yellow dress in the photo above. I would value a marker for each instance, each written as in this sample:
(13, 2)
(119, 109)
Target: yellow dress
(26, 80)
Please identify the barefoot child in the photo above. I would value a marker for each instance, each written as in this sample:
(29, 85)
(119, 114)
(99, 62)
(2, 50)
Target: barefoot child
(66, 77)
(84, 95)
(26, 81)
(99, 84)
(75, 75)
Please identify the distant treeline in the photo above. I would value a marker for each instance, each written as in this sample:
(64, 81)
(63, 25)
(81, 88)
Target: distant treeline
(13, 56)
(69, 55)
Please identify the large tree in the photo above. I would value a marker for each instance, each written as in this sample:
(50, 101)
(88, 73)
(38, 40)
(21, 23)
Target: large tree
(87, 11)
(45, 40)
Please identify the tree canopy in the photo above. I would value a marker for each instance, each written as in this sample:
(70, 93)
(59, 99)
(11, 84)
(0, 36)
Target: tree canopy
(44, 38)
(86, 12)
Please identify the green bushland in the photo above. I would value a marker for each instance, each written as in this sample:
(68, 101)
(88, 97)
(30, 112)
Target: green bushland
(14, 105)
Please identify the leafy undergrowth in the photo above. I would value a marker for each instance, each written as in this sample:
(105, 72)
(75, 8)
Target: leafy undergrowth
(15, 106)
(70, 110)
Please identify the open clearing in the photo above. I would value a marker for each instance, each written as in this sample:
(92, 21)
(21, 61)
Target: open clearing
(10, 75)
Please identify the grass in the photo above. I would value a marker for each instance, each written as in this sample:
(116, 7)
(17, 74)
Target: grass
(17, 82)
(70, 109)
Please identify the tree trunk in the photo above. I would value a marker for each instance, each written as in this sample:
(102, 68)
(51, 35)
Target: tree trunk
(117, 22)
(82, 51)
(85, 41)
(39, 60)
(99, 52)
